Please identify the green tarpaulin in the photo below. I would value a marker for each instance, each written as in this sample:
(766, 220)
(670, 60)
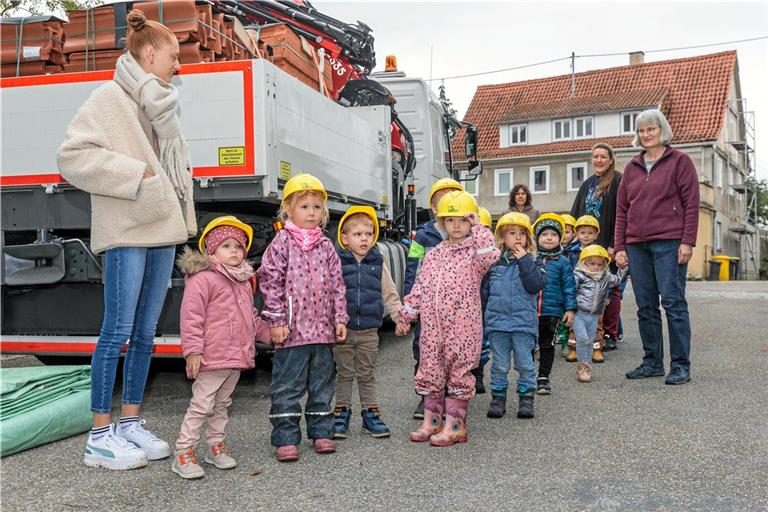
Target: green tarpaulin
(41, 404)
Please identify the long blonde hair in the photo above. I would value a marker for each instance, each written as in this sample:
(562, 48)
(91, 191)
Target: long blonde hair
(289, 202)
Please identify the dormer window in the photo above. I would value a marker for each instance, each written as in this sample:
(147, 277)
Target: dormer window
(582, 127)
(513, 135)
(628, 122)
(561, 129)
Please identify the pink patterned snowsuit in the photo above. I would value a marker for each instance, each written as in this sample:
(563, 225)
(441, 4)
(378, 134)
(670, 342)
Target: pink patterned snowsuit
(447, 297)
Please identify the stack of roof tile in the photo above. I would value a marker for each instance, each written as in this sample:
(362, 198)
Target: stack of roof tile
(31, 46)
(293, 54)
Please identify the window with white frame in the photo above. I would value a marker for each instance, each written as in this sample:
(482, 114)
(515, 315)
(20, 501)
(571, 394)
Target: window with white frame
(502, 182)
(518, 134)
(628, 120)
(582, 127)
(576, 175)
(561, 129)
(731, 178)
(718, 171)
(539, 183)
(470, 186)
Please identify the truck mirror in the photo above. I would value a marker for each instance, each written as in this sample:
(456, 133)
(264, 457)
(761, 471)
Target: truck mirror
(470, 142)
(474, 168)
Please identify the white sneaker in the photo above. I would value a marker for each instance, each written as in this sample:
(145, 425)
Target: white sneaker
(154, 447)
(113, 452)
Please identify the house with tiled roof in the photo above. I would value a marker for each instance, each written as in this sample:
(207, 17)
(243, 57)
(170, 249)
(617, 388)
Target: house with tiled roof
(540, 133)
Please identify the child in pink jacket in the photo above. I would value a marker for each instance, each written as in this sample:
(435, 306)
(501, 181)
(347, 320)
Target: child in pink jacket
(446, 296)
(305, 304)
(219, 326)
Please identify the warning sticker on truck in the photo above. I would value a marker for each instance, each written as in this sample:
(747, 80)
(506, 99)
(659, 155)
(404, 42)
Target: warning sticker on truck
(285, 170)
(234, 155)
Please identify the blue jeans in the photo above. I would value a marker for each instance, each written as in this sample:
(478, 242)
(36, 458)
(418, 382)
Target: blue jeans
(585, 328)
(656, 273)
(136, 280)
(503, 345)
(295, 371)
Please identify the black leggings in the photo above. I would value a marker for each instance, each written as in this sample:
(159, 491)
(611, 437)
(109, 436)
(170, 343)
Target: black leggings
(547, 340)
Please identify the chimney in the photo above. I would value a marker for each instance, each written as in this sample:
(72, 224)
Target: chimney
(636, 58)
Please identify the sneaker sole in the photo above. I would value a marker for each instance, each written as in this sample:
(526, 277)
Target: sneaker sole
(339, 435)
(418, 416)
(646, 376)
(192, 476)
(543, 391)
(95, 461)
(158, 454)
(220, 466)
(495, 416)
(668, 383)
(375, 434)
(448, 443)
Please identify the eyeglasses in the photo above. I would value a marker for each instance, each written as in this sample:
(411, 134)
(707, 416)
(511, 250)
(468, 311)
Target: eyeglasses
(649, 130)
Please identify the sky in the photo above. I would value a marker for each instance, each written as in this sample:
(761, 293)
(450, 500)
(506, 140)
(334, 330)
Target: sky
(441, 39)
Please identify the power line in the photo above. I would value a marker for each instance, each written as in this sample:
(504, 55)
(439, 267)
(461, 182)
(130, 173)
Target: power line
(500, 70)
(679, 48)
(481, 73)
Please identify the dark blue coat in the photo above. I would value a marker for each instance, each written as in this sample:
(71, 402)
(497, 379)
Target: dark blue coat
(363, 279)
(559, 295)
(513, 289)
(427, 236)
(574, 251)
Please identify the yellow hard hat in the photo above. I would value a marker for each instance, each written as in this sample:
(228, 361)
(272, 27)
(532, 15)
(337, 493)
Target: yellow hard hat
(514, 219)
(302, 182)
(442, 184)
(569, 220)
(485, 217)
(594, 250)
(366, 210)
(226, 220)
(456, 204)
(587, 220)
(554, 217)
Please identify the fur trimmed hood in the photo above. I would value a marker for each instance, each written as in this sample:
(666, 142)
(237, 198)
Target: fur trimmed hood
(192, 261)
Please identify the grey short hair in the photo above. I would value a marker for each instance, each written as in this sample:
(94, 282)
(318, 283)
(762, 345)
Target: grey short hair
(655, 117)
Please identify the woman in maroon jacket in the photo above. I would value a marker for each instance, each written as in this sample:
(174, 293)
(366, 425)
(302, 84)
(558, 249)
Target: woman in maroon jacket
(657, 217)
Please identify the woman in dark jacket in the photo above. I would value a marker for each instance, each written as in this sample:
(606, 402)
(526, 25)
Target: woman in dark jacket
(657, 216)
(520, 201)
(597, 197)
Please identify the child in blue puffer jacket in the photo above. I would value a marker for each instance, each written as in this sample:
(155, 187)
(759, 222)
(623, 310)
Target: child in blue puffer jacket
(558, 298)
(512, 289)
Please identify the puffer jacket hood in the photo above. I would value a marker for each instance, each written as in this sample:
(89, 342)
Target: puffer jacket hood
(191, 261)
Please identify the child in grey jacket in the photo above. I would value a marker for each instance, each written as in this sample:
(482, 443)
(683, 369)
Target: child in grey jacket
(593, 284)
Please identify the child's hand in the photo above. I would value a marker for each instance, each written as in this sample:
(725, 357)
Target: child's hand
(278, 334)
(568, 319)
(473, 218)
(193, 365)
(518, 251)
(341, 333)
(402, 328)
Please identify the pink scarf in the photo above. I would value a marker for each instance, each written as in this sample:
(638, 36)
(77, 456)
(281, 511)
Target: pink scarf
(305, 238)
(242, 272)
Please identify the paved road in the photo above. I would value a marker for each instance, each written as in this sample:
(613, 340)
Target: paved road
(614, 445)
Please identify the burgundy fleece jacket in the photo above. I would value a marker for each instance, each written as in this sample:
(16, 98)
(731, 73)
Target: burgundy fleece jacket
(662, 204)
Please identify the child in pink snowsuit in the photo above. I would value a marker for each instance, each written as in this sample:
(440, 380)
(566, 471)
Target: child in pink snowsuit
(305, 304)
(219, 326)
(446, 297)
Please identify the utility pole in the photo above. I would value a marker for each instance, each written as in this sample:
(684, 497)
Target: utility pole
(573, 74)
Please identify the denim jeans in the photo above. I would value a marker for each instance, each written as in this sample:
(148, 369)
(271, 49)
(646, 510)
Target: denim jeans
(656, 273)
(585, 327)
(503, 345)
(296, 371)
(136, 280)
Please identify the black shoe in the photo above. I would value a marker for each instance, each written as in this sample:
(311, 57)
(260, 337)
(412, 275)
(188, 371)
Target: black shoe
(610, 343)
(643, 372)
(479, 386)
(677, 376)
(498, 407)
(525, 407)
(418, 413)
(543, 387)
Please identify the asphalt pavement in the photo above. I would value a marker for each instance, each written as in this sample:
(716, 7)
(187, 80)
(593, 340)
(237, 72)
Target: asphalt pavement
(613, 445)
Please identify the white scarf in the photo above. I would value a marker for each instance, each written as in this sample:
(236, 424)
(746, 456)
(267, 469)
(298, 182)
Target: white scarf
(159, 100)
